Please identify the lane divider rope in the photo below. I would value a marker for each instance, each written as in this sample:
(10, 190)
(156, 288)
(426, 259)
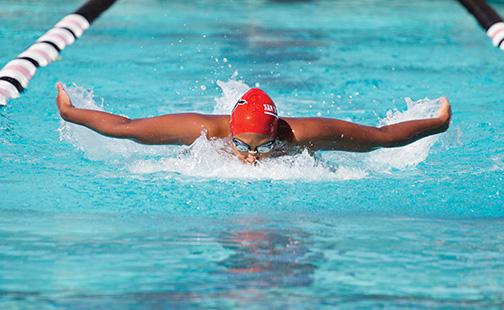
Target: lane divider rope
(488, 19)
(16, 74)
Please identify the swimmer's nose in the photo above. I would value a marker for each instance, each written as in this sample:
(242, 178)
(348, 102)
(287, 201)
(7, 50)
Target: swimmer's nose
(251, 159)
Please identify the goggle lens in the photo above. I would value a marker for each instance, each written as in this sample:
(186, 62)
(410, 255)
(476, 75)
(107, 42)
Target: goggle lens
(241, 146)
(244, 147)
(266, 147)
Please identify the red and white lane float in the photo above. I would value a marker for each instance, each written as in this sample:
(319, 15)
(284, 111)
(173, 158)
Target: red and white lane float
(488, 19)
(16, 74)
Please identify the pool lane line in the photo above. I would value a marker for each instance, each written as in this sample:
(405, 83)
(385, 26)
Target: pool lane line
(488, 19)
(16, 74)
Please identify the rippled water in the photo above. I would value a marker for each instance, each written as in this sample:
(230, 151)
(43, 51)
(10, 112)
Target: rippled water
(91, 222)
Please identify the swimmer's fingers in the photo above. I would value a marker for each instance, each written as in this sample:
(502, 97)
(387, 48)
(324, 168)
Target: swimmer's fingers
(444, 111)
(62, 94)
(62, 100)
(60, 88)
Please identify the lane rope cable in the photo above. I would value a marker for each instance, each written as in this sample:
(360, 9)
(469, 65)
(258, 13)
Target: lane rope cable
(488, 19)
(16, 75)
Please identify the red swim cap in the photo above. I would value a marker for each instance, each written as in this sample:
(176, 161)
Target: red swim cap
(254, 112)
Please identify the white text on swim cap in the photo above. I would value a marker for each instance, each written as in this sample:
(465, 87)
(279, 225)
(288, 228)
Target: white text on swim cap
(270, 109)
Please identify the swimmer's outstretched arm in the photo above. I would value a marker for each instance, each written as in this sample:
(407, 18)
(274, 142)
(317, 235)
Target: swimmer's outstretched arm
(332, 134)
(166, 129)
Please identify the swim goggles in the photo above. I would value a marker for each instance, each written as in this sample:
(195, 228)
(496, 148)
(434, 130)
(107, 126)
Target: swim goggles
(261, 149)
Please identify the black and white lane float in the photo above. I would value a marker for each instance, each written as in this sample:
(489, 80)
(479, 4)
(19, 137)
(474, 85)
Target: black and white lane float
(488, 19)
(16, 75)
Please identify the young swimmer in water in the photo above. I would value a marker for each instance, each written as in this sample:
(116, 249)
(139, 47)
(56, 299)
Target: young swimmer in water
(254, 129)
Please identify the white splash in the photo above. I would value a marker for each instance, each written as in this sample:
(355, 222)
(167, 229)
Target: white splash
(231, 92)
(209, 159)
(411, 155)
(401, 158)
(96, 146)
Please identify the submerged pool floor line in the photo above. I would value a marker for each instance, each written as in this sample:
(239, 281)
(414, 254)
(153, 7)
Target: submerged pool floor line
(16, 75)
(488, 19)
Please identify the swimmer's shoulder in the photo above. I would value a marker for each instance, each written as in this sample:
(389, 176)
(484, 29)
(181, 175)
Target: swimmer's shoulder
(217, 125)
(298, 131)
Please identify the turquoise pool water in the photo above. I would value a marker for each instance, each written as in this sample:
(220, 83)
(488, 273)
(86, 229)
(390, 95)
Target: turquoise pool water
(89, 222)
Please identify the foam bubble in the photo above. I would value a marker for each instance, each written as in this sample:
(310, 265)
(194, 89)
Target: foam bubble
(209, 158)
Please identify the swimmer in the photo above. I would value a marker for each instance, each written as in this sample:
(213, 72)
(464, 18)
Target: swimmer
(254, 130)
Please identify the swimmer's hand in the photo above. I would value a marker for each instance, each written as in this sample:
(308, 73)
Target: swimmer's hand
(63, 101)
(444, 112)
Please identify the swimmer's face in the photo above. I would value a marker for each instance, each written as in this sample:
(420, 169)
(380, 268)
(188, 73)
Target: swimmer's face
(253, 140)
